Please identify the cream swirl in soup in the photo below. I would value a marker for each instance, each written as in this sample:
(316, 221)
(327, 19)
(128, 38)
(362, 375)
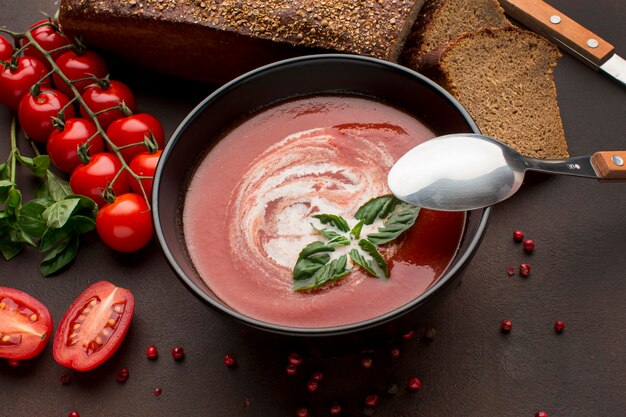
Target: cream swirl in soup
(248, 211)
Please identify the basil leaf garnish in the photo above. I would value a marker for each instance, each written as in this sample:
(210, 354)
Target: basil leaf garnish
(310, 259)
(334, 238)
(358, 259)
(337, 221)
(332, 271)
(371, 250)
(377, 207)
(400, 221)
(356, 230)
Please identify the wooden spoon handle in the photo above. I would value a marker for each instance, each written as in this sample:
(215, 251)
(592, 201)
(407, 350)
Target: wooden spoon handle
(548, 21)
(610, 165)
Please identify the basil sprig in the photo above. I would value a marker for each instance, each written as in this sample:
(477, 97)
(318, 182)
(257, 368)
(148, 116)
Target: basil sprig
(315, 267)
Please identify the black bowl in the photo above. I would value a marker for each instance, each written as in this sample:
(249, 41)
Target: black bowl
(304, 76)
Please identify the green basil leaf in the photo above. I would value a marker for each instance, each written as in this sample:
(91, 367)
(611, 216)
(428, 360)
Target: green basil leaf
(356, 230)
(334, 238)
(5, 187)
(60, 256)
(38, 165)
(57, 188)
(371, 250)
(17, 235)
(58, 213)
(4, 171)
(86, 206)
(80, 224)
(400, 221)
(310, 259)
(358, 259)
(31, 220)
(334, 220)
(10, 249)
(52, 237)
(377, 207)
(332, 271)
(41, 191)
(13, 202)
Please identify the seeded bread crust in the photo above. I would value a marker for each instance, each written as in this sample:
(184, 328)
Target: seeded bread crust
(215, 40)
(440, 21)
(503, 77)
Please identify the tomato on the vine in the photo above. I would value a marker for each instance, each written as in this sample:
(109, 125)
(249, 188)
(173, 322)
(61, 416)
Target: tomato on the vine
(77, 66)
(16, 82)
(134, 130)
(35, 113)
(126, 224)
(62, 146)
(48, 38)
(144, 165)
(104, 96)
(6, 49)
(91, 179)
(25, 325)
(94, 326)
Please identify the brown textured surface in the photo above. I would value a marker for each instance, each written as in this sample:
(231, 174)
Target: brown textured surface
(470, 369)
(216, 40)
(440, 21)
(503, 77)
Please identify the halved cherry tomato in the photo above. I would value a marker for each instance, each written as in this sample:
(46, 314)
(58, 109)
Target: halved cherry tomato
(48, 38)
(91, 179)
(6, 49)
(77, 67)
(63, 144)
(112, 94)
(15, 83)
(126, 224)
(94, 326)
(132, 130)
(35, 113)
(144, 165)
(25, 325)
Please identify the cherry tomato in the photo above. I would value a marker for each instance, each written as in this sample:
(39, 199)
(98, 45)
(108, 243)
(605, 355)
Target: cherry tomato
(91, 179)
(48, 38)
(35, 113)
(100, 98)
(76, 67)
(25, 325)
(63, 144)
(144, 165)
(94, 326)
(15, 83)
(133, 129)
(6, 49)
(126, 224)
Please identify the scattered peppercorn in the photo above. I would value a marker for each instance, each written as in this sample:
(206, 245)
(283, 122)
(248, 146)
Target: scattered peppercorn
(506, 325)
(524, 270)
(518, 235)
(529, 245)
(559, 326)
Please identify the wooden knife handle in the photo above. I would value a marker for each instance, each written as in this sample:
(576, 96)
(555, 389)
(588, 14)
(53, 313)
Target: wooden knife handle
(548, 21)
(610, 165)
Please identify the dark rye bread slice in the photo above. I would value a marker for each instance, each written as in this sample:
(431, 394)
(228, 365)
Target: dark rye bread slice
(440, 21)
(503, 77)
(216, 40)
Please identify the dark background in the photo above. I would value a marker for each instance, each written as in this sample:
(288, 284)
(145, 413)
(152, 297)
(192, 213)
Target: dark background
(468, 369)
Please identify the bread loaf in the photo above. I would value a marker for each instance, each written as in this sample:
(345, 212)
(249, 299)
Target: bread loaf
(216, 40)
(503, 77)
(440, 21)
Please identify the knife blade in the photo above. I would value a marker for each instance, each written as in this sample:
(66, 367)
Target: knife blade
(570, 35)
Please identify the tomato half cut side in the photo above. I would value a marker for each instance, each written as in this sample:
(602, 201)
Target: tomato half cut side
(25, 325)
(94, 326)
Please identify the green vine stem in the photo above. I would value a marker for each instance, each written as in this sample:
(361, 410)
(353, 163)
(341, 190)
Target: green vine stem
(31, 41)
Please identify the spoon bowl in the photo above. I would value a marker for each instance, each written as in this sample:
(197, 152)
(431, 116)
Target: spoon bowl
(469, 171)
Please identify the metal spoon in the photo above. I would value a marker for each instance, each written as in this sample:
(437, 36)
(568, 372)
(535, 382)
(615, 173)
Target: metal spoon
(469, 171)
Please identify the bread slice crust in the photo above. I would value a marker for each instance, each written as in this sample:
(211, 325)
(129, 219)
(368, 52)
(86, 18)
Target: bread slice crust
(503, 77)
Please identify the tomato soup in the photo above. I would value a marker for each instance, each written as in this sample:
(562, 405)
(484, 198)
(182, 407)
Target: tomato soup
(248, 210)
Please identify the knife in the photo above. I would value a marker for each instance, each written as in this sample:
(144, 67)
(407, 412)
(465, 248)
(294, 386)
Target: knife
(574, 38)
